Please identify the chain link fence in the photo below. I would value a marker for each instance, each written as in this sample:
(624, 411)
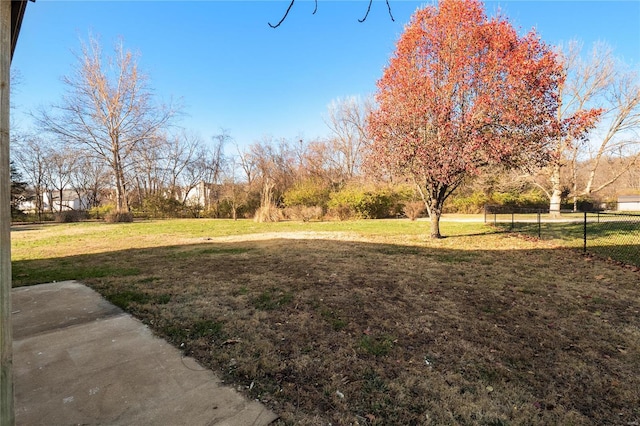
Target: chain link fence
(613, 235)
(604, 234)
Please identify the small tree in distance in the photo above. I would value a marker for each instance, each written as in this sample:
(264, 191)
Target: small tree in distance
(460, 93)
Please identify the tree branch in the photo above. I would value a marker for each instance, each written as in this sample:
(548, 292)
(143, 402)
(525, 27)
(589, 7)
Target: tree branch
(366, 14)
(316, 9)
(369, 9)
(285, 15)
(389, 9)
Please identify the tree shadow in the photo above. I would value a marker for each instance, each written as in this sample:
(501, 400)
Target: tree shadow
(401, 329)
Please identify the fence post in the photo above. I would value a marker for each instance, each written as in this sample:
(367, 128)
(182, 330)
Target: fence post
(513, 220)
(539, 226)
(585, 232)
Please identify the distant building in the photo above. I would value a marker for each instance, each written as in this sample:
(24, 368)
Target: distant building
(629, 203)
(203, 194)
(51, 202)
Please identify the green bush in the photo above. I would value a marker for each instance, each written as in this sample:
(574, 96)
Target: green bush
(309, 193)
(475, 202)
(101, 211)
(17, 214)
(584, 204)
(531, 199)
(359, 203)
(161, 206)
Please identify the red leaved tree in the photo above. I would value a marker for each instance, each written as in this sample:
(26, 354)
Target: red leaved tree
(461, 92)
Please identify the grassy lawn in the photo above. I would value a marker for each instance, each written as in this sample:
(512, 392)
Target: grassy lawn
(608, 236)
(370, 322)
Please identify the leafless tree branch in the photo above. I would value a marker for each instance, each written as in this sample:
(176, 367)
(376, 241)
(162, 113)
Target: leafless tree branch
(366, 14)
(369, 9)
(286, 13)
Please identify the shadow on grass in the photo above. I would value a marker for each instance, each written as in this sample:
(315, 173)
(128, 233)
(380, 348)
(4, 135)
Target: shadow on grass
(615, 240)
(339, 331)
(494, 230)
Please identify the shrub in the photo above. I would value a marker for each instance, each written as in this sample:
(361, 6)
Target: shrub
(17, 214)
(342, 212)
(413, 209)
(309, 193)
(101, 211)
(360, 203)
(251, 205)
(268, 213)
(584, 204)
(161, 206)
(303, 213)
(531, 199)
(473, 203)
(68, 216)
(118, 217)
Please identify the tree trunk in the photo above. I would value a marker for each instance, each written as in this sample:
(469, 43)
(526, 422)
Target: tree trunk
(39, 202)
(119, 208)
(435, 226)
(556, 194)
(122, 205)
(434, 208)
(433, 205)
(60, 193)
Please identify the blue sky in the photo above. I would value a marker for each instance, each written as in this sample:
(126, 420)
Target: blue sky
(231, 70)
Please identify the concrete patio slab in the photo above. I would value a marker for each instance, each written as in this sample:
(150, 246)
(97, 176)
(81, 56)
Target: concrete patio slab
(77, 359)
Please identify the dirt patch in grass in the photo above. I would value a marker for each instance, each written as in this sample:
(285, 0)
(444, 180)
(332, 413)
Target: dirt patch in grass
(350, 329)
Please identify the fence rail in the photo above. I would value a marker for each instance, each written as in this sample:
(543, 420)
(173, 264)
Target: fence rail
(604, 234)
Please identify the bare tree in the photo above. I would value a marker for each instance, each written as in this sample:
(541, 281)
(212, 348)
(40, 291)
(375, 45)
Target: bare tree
(248, 164)
(182, 151)
(146, 167)
(347, 122)
(90, 179)
(605, 95)
(319, 163)
(193, 168)
(584, 83)
(62, 162)
(31, 156)
(620, 138)
(633, 177)
(275, 172)
(109, 109)
(211, 163)
(233, 192)
(275, 164)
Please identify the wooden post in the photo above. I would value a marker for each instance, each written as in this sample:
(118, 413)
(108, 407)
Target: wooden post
(7, 415)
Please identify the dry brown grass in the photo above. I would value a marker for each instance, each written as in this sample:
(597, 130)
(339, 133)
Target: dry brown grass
(346, 328)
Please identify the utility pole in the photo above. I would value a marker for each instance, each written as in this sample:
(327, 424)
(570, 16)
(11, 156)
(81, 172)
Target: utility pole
(7, 415)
